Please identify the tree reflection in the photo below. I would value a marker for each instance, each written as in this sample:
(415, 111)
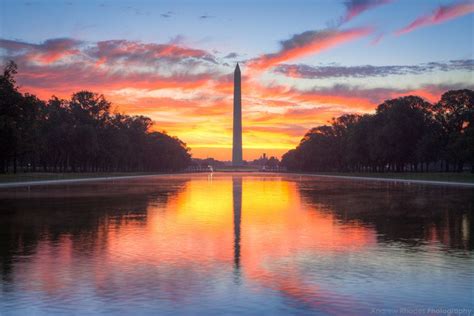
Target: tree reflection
(411, 214)
(83, 213)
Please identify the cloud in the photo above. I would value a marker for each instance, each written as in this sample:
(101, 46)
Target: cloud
(184, 88)
(347, 98)
(65, 65)
(368, 98)
(440, 15)
(131, 52)
(307, 43)
(231, 55)
(137, 11)
(277, 114)
(113, 56)
(49, 51)
(357, 7)
(321, 72)
(376, 39)
(206, 16)
(166, 15)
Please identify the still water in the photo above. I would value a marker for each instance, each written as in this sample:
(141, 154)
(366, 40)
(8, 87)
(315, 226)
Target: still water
(236, 244)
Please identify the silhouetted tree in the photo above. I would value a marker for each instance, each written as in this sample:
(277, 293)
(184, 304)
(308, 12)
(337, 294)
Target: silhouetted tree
(455, 112)
(80, 134)
(401, 123)
(12, 105)
(404, 134)
(359, 142)
(272, 163)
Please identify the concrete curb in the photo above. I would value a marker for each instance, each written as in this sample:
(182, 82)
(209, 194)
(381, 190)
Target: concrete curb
(409, 181)
(79, 180)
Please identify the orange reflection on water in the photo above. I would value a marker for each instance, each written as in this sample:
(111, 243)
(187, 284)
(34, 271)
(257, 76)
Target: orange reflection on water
(198, 224)
(250, 224)
(233, 242)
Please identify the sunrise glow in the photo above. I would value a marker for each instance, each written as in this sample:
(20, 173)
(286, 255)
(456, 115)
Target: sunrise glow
(176, 67)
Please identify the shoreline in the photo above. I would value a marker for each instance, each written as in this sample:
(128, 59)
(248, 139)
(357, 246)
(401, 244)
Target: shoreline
(17, 184)
(399, 180)
(76, 180)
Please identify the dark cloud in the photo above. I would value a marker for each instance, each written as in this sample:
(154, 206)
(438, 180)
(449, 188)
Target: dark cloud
(320, 72)
(146, 53)
(48, 51)
(206, 16)
(51, 44)
(302, 39)
(232, 55)
(378, 95)
(357, 7)
(137, 11)
(166, 15)
(112, 51)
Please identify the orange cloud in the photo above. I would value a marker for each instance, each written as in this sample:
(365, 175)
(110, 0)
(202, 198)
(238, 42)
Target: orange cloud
(337, 95)
(438, 16)
(187, 95)
(307, 43)
(69, 65)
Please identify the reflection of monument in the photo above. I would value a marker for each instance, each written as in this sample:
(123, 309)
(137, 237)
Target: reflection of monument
(237, 206)
(237, 129)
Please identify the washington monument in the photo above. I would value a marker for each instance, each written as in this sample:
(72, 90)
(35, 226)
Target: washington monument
(237, 131)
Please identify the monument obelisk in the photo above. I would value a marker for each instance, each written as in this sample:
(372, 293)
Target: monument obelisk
(237, 130)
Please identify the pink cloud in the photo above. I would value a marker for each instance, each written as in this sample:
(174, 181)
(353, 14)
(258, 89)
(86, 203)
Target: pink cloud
(65, 65)
(438, 16)
(47, 52)
(182, 89)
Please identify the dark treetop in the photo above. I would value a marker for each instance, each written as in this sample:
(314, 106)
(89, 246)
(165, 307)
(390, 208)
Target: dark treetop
(80, 134)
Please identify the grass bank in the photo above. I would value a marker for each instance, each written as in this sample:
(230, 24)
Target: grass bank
(440, 177)
(45, 176)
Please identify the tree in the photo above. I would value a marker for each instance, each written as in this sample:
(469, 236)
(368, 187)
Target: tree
(402, 123)
(403, 134)
(455, 113)
(80, 134)
(358, 147)
(17, 112)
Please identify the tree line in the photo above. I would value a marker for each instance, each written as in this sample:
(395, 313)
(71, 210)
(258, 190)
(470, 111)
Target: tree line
(404, 134)
(79, 135)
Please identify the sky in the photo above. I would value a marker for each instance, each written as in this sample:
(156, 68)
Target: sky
(303, 62)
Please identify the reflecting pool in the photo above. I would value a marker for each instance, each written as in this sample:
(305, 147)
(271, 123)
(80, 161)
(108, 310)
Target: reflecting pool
(236, 244)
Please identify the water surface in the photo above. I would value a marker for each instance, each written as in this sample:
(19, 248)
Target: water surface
(236, 243)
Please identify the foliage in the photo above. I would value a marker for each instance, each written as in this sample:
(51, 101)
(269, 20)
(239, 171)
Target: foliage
(404, 134)
(79, 135)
